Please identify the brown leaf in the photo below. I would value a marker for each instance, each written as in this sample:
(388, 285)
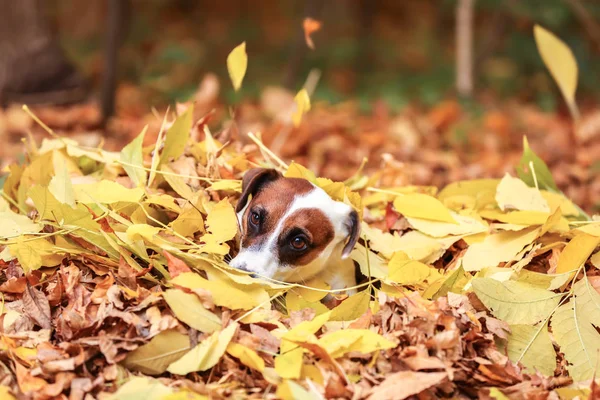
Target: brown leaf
(37, 307)
(102, 286)
(175, 265)
(27, 382)
(310, 26)
(13, 285)
(363, 322)
(401, 385)
(419, 363)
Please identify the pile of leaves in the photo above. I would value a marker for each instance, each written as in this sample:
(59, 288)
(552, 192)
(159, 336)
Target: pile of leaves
(115, 282)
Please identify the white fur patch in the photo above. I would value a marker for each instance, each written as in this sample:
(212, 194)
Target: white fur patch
(263, 259)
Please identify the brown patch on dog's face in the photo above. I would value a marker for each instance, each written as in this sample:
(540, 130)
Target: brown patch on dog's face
(310, 226)
(270, 203)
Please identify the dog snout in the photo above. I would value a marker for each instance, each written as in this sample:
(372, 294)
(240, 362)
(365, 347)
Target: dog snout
(241, 266)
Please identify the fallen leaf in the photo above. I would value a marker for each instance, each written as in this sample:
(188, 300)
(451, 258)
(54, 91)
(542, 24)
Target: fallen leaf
(175, 265)
(106, 192)
(60, 185)
(531, 345)
(247, 356)
(206, 354)
(133, 160)
(576, 252)
(513, 194)
(515, 302)
(401, 385)
(189, 309)
(37, 307)
(574, 328)
(418, 205)
(177, 137)
(141, 387)
(154, 357)
(226, 294)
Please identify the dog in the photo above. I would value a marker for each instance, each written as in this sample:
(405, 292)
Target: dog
(291, 230)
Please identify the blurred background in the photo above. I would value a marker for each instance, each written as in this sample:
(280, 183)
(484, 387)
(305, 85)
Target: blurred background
(399, 51)
(439, 90)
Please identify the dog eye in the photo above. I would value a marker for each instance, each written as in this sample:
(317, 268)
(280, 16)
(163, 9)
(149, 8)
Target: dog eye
(255, 218)
(298, 243)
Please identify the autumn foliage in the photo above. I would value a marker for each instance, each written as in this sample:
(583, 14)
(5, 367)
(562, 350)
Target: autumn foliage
(115, 282)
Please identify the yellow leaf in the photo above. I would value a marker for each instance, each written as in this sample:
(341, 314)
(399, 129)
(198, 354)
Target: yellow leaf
(237, 62)
(302, 101)
(514, 194)
(226, 294)
(222, 222)
(351, 308)
(184, 395)
(576, 252)
(294, 302)
(60, 185)
(142, 232)
(188, 222)
(466, 226)
(177, 137)
(340, 342)
(5, 393)
(133, 160)
(154, 357)
(290, 390)
(14, 224)
(34, 254)
(296, 170)
(531, 345)
(472, 194)
(591, 229)
(311, 295)
(516, 217)
(515, 302)
(418, 205)
(288, 365)
(247, 356)
(303, 332)
(206, 354)
(177, 183)
(370, 264)
(164, 200)
(106, 192)
(497, 248)
(574, 327)
(556, 200)
(561, 63)
(189, 309)
(141, 387)
(405, 271)
(227, 184)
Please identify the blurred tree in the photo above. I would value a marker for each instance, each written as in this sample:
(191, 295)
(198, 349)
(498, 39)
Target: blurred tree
(33, 68)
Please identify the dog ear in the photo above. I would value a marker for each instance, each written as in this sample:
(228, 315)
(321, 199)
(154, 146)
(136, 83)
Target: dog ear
(252, 182)
(353, 225)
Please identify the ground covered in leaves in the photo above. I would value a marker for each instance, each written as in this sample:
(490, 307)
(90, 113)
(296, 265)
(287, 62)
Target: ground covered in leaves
(115, 284)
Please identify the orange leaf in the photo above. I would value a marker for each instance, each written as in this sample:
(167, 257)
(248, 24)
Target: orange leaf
(310, 26)
(175, 265)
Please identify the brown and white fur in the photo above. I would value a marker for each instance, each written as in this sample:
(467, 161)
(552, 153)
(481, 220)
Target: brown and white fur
(292, 231)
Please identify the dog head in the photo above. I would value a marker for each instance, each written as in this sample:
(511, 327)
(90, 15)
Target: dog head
(291, 229)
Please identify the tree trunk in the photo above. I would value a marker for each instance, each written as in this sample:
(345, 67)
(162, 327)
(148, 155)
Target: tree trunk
(464, 47)
(33, 68)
